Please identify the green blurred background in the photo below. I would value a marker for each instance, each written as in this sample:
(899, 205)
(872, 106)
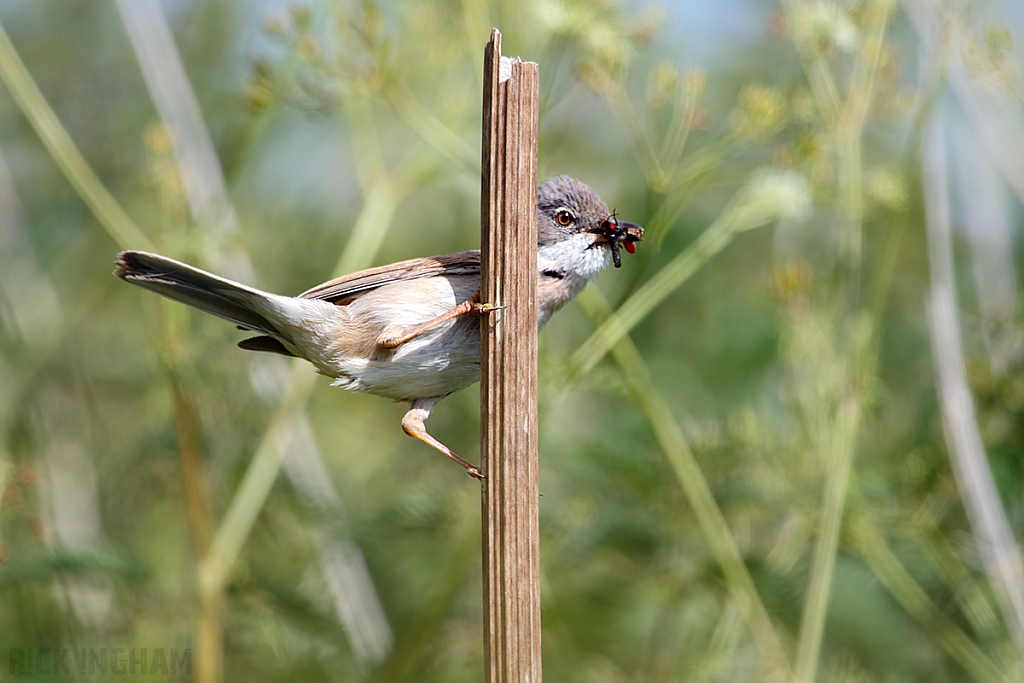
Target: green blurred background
(802, 462)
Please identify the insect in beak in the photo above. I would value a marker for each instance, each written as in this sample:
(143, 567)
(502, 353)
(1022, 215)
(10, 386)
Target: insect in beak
(619, 233)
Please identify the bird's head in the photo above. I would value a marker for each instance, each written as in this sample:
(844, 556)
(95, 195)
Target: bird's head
(566, 208)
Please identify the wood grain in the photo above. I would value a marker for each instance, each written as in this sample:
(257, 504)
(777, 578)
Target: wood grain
(508, 391)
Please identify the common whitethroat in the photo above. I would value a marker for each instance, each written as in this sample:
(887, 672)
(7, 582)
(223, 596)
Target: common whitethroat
(407, 331)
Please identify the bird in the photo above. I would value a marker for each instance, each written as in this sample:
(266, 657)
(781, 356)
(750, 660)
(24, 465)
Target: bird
(407, 331)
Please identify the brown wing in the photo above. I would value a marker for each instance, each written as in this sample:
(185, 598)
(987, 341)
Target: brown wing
(344, 289)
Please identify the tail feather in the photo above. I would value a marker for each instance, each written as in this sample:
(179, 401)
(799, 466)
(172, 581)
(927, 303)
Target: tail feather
(270, 344)
(197, 288)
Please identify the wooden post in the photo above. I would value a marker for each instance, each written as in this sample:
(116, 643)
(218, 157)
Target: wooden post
(508, 386)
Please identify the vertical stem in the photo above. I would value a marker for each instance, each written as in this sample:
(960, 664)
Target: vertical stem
(210, 635)
(840, 446)
(197, 499)
(173, 352)
(508, 391)
(993, 534)
(851, 211)
(841, 441)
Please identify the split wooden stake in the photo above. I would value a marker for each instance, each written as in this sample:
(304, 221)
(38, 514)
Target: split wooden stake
(508, 389)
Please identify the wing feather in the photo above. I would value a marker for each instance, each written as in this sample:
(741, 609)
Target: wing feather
(344, 289)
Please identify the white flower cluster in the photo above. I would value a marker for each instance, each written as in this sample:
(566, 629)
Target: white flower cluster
(826, 23)
(775, 194)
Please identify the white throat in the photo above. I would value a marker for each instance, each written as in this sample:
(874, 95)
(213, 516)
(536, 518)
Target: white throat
(576, 256)
(565, 268)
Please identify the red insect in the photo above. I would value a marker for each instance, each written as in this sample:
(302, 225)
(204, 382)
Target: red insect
(621, 233)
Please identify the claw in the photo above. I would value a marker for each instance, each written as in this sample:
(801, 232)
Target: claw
(469, 307)
(412, 424)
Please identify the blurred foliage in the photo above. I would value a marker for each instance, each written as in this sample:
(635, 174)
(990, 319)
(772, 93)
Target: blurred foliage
(744, 470)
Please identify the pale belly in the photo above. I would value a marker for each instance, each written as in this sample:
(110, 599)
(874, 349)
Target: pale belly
(437, 362)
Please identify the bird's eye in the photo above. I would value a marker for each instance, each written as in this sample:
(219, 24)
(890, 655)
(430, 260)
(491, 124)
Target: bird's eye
(564, 217)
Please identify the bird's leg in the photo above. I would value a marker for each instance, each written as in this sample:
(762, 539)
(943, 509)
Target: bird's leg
(471, 306)
(413, 425)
